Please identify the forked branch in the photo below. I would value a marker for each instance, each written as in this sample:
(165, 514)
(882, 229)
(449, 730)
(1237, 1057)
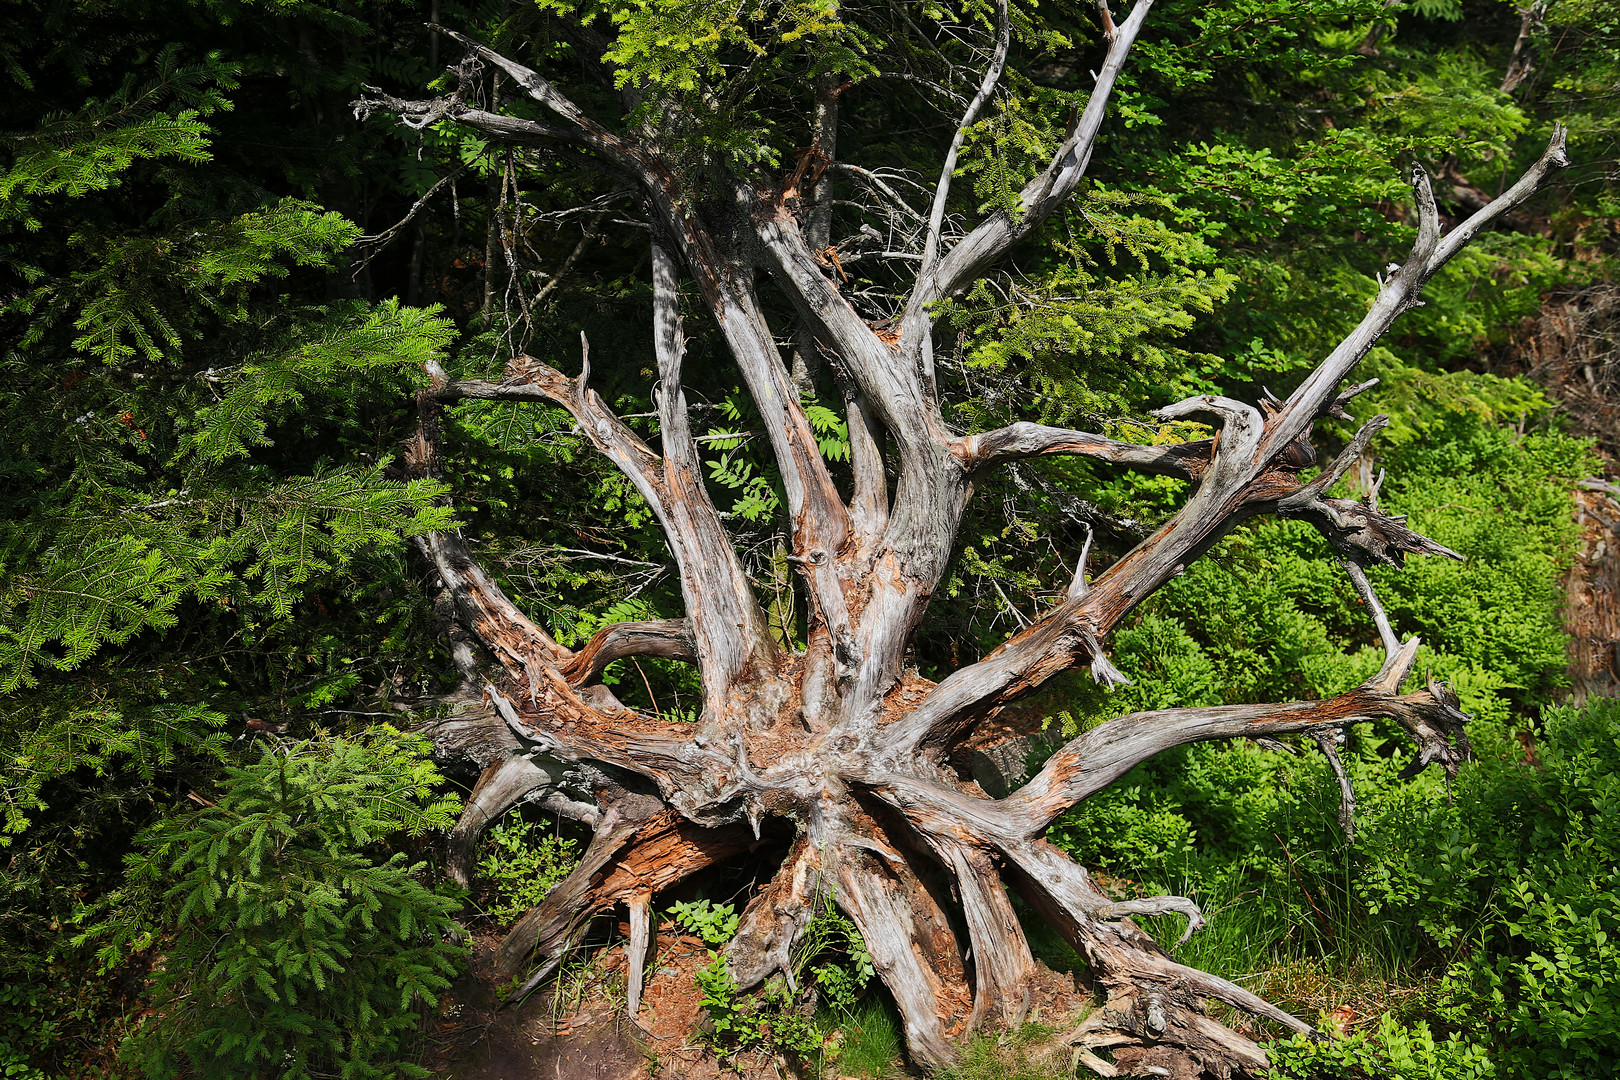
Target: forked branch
(728, 626)
(1040, 197)
(1247, 472)
(1399, 292)
(1023, 439)
(1100, 756)
(619, 151)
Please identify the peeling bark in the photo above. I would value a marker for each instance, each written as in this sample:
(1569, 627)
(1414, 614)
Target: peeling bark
(640, 906)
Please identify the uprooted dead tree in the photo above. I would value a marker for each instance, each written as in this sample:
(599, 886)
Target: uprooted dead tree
(839, 744)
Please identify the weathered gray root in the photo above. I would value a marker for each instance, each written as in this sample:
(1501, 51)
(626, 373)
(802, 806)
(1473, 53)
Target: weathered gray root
(509, 781)
(775, 917)
(878, 890)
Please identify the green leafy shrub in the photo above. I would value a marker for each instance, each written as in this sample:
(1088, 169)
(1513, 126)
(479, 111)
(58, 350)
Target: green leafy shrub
(830, 951)
(734, 1021)
(1503, 883)
(1541, 979)
(521, 868)
(15, 1066)
(1391, 1052)
(715, 923)
(833, 951)
(293, 943)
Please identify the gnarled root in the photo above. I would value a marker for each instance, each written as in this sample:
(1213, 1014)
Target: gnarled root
(658, 850)
(512, 779)
(1151, 1003)
(910, 942)
(774, 919)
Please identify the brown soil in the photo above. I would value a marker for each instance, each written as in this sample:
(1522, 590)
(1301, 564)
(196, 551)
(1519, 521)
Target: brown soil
(578, 1030)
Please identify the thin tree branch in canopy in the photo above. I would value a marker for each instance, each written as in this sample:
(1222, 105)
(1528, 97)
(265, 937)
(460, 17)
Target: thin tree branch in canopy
(804, 603)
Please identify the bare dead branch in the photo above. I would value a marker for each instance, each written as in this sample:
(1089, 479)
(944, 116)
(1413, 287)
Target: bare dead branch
(591, 232)
(1519, 63)
(1361, 534)
(1400, 291)
(374, 244)
(1328, 742)
(1003, 966)
(513, 779)
(1335, 471)
(869, 501)
(942, 190)
(1039, 198)
(516, 641)
(593, 135)
(880, 897)
(727, 624)
(1335, 408)
(730, 628)
(1078, 584)
(1100, 756)
(640, 911)
(1025, 440)
(1364, 589)
(482, 607)
(669, 639)
(1161, 905)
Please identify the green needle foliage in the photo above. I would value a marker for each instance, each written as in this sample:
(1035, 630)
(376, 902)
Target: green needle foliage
(294, 941)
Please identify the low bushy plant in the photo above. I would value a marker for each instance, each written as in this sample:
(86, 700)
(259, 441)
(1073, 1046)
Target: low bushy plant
(1491, 903)
(1391, 1051)
(830, 962)
(1541, 979)
(293, 938)
(1005, 1057)
(715, 923)
(519, 868)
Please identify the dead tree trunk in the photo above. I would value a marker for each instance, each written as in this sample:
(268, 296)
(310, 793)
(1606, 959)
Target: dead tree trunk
(837, 744)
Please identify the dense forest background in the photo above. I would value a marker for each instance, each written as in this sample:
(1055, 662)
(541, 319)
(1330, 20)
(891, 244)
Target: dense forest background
(221, 291)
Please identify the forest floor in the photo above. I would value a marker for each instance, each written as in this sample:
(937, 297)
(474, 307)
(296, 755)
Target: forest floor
(579, 1028)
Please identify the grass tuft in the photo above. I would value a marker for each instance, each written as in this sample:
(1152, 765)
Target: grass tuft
(1004, 1057)
(871, 1047)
